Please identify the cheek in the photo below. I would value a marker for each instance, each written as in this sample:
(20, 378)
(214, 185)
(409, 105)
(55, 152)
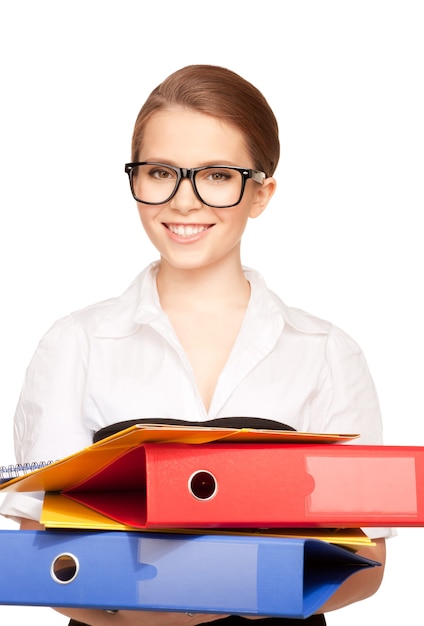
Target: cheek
(147, 223)
(234, 226)
(237, 217)
(141, 215)
(147, 215)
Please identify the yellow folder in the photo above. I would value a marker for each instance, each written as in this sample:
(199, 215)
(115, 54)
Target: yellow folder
(61, 513)
(71, 470)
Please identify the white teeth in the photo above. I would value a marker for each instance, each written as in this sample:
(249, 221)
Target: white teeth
(186, 231)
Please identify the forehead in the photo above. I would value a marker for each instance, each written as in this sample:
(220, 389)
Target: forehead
(188, 138)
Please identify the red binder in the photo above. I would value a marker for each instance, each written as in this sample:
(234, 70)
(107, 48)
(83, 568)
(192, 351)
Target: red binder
(258, 485)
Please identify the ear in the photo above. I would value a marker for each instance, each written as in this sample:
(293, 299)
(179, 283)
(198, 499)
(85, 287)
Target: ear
(263, 194)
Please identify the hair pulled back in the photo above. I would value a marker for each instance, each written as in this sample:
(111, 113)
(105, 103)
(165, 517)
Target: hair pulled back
(223, 94)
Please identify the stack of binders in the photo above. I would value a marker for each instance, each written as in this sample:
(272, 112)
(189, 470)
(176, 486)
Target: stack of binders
(167, 519)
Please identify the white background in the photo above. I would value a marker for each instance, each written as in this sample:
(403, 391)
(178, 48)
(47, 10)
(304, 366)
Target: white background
(342, 238)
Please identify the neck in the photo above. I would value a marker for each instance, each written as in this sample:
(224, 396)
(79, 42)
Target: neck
(210, 287)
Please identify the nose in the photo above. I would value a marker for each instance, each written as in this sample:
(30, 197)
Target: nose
(185, 199)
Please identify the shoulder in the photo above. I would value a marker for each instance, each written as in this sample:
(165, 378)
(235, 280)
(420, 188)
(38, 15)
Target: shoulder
(339, 344)
(338, 341)
(116, 314)
(265, 299)
(299, 321)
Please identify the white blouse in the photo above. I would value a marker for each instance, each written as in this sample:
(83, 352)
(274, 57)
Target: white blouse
(121, 360)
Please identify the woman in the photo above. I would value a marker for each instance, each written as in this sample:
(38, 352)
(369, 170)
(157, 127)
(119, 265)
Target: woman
(196, 336)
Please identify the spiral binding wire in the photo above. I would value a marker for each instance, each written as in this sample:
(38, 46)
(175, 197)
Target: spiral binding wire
(9, 472)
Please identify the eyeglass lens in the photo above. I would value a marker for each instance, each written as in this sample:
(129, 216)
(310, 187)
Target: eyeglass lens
(216, 186)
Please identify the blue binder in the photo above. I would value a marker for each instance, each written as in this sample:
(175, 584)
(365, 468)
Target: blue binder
(229, 574)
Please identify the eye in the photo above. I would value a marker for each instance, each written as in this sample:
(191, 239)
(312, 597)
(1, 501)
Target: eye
(160, 172)
(218, 175)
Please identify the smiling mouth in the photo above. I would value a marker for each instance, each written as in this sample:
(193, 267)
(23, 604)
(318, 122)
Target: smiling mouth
(187, 230)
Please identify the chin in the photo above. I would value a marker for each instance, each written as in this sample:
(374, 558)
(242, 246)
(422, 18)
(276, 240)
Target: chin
(187, 264)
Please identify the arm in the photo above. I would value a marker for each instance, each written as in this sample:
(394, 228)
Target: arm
(363, 584)
(49, 418)
(348, 403)
(48, 422)
(346, 400)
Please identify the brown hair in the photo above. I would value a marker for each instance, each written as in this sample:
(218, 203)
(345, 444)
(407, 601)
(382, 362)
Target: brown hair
(221, 93)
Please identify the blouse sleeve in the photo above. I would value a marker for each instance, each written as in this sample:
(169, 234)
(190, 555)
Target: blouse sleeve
(348, 398)
(48, 423)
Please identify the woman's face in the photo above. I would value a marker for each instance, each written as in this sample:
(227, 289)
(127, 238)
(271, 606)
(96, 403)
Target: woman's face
(187, 233)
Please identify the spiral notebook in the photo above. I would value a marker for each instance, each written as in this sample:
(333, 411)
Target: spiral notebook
(9, 472)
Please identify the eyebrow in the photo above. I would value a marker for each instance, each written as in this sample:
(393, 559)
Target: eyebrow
(211, 163)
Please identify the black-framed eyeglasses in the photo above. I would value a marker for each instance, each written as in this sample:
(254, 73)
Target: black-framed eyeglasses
(217, 186)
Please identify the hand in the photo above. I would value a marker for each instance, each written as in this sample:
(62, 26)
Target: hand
(159, 618)
(96, 617)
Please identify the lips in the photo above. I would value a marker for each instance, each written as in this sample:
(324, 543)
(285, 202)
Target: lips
(187, 230)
